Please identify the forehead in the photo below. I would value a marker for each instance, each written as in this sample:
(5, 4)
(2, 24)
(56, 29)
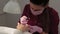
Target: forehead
(36, 6)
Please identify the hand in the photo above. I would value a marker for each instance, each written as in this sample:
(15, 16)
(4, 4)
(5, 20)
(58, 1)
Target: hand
(24, 20)
(36, 28)
(22, 27)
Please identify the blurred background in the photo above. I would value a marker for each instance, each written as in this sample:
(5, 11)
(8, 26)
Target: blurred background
(10, 20)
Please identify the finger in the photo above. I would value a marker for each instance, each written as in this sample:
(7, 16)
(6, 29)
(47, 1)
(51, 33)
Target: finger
(31, 27)
(18, 23)
(31, 30)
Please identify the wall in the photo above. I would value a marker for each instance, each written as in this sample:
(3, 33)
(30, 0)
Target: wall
(2, 19)
(7, 19)
(2, 15)
(2, 3)
(12, 19)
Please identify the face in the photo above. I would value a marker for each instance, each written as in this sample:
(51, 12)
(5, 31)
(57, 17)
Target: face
(36, 7)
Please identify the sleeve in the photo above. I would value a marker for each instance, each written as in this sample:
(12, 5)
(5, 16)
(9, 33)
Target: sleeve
(25, 12)
(54, 23)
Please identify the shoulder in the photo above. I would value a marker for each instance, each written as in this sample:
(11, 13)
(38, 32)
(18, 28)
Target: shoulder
(54, 16)
(27, 6)
(52, 11)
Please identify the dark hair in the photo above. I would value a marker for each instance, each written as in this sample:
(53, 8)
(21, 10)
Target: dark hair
(40, 2)
(36, 32)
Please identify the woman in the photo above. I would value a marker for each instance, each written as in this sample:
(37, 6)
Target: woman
(41, 15)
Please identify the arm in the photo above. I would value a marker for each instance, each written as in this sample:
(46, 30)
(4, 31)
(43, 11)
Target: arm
(25, 12)
(54, 22)
(19, 25)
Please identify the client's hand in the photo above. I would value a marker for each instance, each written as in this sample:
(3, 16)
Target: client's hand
(22, 27)
(36, 29)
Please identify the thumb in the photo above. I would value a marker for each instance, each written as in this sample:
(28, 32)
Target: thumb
(18, 24)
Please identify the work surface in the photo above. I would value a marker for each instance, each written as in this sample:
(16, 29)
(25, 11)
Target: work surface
(8, 30)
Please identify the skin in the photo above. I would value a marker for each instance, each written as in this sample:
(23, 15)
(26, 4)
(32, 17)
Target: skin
(22, 27)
